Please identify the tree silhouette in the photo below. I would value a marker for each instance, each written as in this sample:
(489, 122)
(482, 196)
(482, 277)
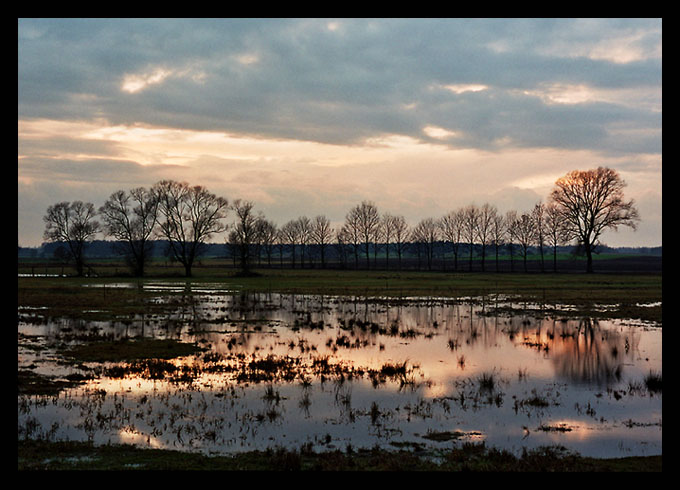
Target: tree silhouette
(131, 219)
(74, 224)
(189, 217)
(591, 201)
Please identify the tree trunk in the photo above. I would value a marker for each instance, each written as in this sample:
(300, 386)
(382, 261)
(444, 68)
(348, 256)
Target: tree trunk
(589, 259)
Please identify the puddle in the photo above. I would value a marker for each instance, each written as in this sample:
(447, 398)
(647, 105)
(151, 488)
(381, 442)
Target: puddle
(330, 372)
(171, 287)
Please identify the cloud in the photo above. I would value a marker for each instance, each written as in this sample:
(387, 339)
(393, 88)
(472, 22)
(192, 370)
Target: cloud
(239, 102)
(301, 79)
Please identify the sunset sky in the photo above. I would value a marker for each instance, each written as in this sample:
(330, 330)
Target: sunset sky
(312, 116)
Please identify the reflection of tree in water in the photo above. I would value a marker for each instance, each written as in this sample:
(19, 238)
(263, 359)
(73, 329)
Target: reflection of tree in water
(589, 354)
(582, 352)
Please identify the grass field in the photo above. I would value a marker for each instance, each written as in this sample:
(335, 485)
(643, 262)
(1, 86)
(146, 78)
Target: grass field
(629, 295)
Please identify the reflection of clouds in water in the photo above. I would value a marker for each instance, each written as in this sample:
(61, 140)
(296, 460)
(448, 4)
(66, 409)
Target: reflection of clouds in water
(581, 351)
(430, 335)
(129, 435)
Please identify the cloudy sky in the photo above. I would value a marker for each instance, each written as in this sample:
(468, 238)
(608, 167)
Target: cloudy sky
(312, 116)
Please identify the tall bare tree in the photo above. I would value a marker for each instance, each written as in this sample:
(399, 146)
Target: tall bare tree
(485, 221)
(498, 233)
(244, 232)
(538, 216)
(426, 233)
(267, 232)
(376, 240)
(451, 225)
(131, 219)
(351, 231)
(74, 224)
(470, 226)
(290, 235)
(554, 230)
(368, 219)
(510, 225)
(190, 215)
(387, 227)
(322, 234)
(281, 241)
(401, 234)
(342, 240)
(304, 227)
(524, 230)
(591, 201)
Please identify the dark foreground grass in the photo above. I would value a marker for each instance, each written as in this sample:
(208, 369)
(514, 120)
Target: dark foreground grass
(42, 455)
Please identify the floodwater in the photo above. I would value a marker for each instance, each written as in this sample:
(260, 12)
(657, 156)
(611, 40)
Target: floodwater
(333, 372)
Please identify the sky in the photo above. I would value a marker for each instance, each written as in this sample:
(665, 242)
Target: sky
(312, 116)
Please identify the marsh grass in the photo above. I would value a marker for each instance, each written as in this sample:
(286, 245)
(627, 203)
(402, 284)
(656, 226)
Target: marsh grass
(130, 349)
(46, 455)
(488, 382)
(653, 382)
(32, 383)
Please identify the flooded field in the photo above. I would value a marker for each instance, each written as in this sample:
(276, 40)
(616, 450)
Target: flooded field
(324, 372)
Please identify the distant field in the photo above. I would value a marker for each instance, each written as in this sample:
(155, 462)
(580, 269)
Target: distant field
(609, 263)
(635, 295)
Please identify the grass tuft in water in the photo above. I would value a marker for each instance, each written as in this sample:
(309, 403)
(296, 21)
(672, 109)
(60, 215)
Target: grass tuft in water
(653, 382)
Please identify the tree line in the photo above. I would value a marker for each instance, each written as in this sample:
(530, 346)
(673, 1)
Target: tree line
(580, 207)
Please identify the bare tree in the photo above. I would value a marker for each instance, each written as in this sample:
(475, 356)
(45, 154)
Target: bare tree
(368, 219)
(304, 227)
(426, 232)
(498, 233)
(244, 232)
(525, 232)
(451, 226)
(131, 219)
(401, 234)
(376, 239)
(554, 230)
(290, 236)
(189, 217)
(267, 232)
(387, 227)
(591, 201)
(510, 224)
(351, 231)
(74, 224)
(470, 226)
(322, 234)
(342, 240)
(538, 216)
(281, 241)
(485, 227)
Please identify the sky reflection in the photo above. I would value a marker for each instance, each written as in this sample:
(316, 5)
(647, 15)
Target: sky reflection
(513, 381)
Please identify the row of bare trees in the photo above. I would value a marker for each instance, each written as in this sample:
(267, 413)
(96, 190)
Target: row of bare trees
(471, 227)
(186, 216)
(581, 206)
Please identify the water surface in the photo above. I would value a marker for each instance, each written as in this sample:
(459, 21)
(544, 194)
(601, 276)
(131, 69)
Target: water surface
(328, 372)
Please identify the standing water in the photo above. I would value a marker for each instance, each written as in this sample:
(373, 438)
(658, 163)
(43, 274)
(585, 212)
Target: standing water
(332, 372)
